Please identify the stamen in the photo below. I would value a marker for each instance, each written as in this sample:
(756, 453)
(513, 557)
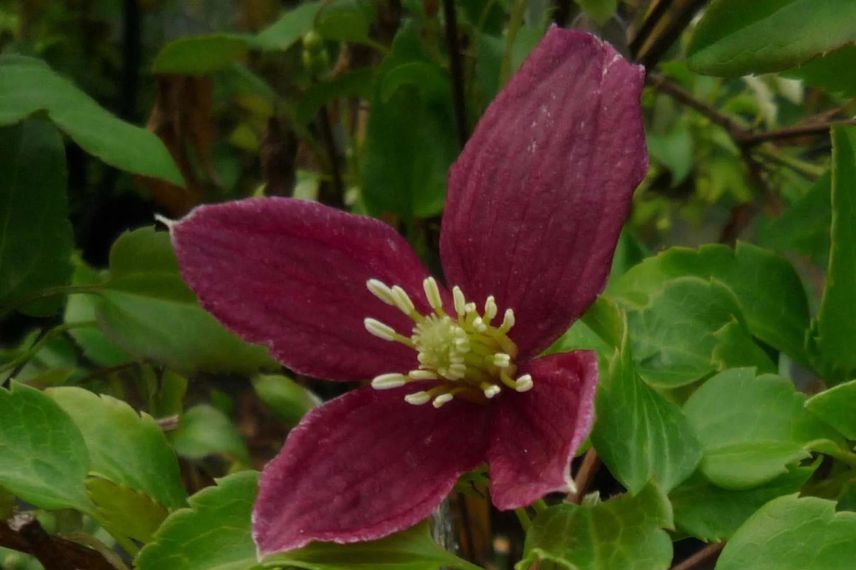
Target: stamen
(442, 399)
(507, 321)
(501, 360)
(489, 309)
(490, 390)
(380, 290)
(422, 375)
(402, 301)
(524, 383)
(460, 301)
(389, 381)
(418, 398)
(479, 325)
(432, 293)
(379, 329)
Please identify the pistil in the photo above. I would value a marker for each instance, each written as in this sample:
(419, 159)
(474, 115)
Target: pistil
(464, 353)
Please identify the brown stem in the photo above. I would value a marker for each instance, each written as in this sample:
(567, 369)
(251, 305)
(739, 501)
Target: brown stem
(53, 552)
(585, 476)
(454, 50)
(707, 554)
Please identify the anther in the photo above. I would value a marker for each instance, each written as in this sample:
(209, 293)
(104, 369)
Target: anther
(418, 398)
(380, 290)
(442, 399)
(489, 309)
(379, 329)
(479, 325)
(524, 383)
(422, 375)
(490, 390)
(402, 300)
(432, 293)
(460, 301)
(507, 321)
(501, 360)
(389, 381)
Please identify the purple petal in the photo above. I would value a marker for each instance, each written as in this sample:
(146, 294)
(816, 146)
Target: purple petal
(292, 275)
(535, 434)
(363, 466)
(539, 194)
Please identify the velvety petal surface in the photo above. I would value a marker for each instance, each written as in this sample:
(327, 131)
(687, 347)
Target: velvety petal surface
(365, 465)
(534, 435)
(538, 196)
(292, 275)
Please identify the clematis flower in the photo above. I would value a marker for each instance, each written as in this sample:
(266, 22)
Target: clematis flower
(535, 205)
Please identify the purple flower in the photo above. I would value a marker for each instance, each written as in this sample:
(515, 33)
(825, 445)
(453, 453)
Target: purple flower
(536, 202)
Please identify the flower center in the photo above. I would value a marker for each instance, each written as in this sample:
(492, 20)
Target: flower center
(465, 353)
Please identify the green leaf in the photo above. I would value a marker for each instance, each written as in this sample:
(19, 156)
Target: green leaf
(80, 308)
(125, 511)
(638, 434)
(200, 55)
(213, 534)
(31, 86)
(344, 20)
(287, 399)
(762, 430)
(351, 84)
(124, 447)
(790, 533)
(624, 532)
(676, 335)
(837, 408)
(711, 513)
(148, 311)
(204, 430)
(412, 549)
(289, 28)
(835, 326)
(403, 171)
(767, 288)
(599, 10)
(35, 234)
(43, 458)
(804, 226)
(736, 37)
(833, 72)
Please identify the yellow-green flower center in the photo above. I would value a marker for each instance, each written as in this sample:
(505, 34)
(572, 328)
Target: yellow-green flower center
(465, 353)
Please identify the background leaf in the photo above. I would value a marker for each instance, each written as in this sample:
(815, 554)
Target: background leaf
(736, 37)
(43, 458)
(837, 408)
(148, 311)
(793, 534)
(639, 435)
(125, 447)
(32, 86)
(624, 532)
(35, 234)
(751, 440)
(835, 326)
(214, 533)
(200, 55)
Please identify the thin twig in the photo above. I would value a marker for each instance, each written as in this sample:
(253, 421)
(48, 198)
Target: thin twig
(337, 198)
(681, 95)
(707, 554)
(454, 50)
(797, 131)
(585, 476)
(655, 14)
(679, 20)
